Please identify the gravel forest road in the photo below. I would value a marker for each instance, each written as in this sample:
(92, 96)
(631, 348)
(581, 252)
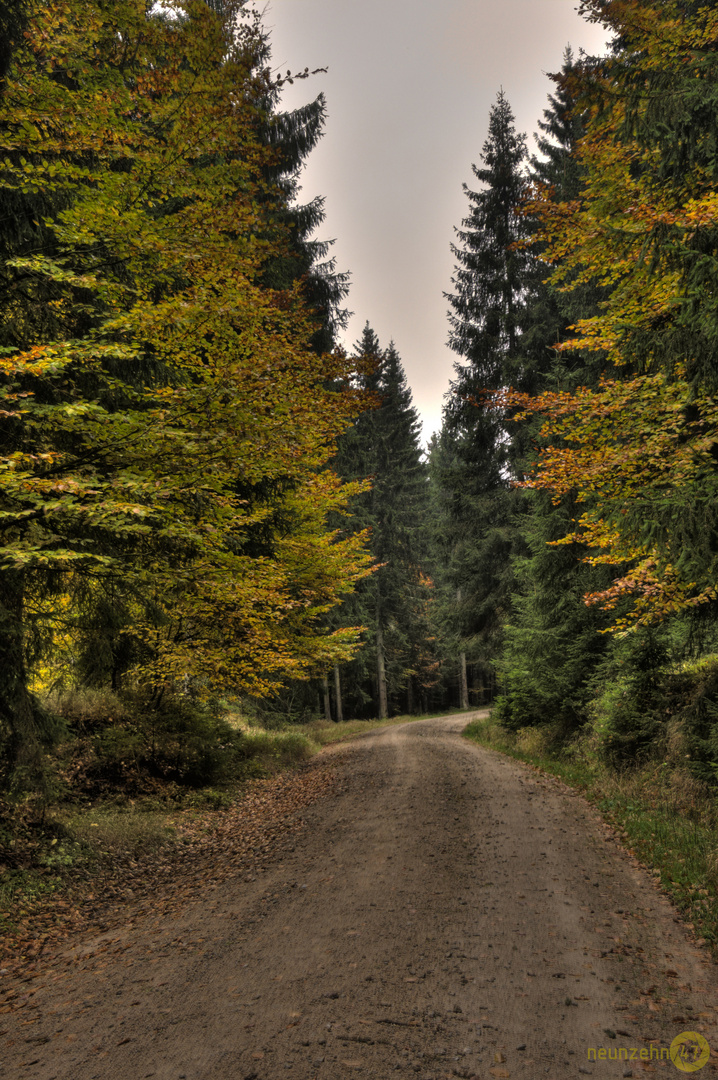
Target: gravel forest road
(445, 912)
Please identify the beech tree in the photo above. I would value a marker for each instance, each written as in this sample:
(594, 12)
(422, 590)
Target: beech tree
(162, 401)
(640, 448)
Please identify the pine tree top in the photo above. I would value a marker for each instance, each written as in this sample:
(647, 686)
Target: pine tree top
(490, 267)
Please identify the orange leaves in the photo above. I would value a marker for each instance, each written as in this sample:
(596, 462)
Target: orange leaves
(625, 449)
(639, 451)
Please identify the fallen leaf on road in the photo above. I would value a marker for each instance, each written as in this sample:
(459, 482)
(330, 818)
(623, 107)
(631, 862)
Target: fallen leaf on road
(502, 1073)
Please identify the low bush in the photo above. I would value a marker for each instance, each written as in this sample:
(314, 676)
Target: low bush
(181, 740)
(277, 748)
(86, 709)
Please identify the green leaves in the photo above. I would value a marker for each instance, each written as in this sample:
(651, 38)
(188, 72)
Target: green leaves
(174, 375)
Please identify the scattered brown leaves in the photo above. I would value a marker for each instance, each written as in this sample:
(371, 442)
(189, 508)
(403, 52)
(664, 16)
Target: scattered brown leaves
(212, 847)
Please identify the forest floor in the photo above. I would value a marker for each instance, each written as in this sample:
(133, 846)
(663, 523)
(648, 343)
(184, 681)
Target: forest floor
(406, 904)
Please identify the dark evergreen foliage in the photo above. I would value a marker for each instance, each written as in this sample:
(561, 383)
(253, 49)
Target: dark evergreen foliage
(293, 135)
(487, 319)
(384, 444)
(489, 281)
(552, 640)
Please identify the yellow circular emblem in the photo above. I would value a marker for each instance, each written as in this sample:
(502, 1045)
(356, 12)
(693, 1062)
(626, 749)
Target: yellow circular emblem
(690, 1051)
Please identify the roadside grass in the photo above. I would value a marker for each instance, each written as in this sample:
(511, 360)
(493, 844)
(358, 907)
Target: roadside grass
(111, 830)
(663, 815)
(325, 734)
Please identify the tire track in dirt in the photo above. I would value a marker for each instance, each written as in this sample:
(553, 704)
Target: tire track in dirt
(447, 912)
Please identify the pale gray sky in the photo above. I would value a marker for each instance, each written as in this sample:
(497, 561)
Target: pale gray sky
(409, 88)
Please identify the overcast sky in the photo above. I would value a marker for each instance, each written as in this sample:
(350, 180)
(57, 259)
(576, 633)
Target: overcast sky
(409, 88)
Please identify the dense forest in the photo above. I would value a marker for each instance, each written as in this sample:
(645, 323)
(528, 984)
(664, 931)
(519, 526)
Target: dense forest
(210, 507)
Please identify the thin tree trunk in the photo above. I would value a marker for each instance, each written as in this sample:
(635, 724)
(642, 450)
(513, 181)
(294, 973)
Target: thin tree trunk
(327, 702)
(381, 674)
(463, 682)
(410, 696)
(338, 695)
(19, 712)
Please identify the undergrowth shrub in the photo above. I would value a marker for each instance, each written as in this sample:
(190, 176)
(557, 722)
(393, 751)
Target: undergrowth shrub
(87, 709)
(279, 748)
(655, 711)
(124, 743)
(629, 717)
(181, 739)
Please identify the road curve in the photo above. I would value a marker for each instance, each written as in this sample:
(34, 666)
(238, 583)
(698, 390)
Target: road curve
(448, 912)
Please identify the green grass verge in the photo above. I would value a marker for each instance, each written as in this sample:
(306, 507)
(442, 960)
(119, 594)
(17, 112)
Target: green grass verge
(325, 734)
(667, 819)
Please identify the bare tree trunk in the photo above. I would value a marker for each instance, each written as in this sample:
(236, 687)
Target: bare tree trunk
(338, 696)
(20, 715)
(327, 702)
(463, 683)
(410, 696)
(381, 674)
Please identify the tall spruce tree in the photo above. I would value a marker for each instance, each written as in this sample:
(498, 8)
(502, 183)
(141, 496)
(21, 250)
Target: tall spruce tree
(487, 318)
(292, 136)
(397, 667)
(552, 641)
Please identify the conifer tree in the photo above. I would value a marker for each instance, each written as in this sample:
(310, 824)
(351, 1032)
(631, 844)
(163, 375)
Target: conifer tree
(489, 280)
(384, 445)
(563, 124)
(306, 259)
(486, 323)
(552, 642)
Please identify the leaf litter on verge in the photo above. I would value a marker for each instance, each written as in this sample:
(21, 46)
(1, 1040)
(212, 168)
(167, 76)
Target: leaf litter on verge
(213, 846)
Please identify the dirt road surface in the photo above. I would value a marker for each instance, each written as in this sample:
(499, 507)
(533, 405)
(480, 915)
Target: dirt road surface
(444, 912)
